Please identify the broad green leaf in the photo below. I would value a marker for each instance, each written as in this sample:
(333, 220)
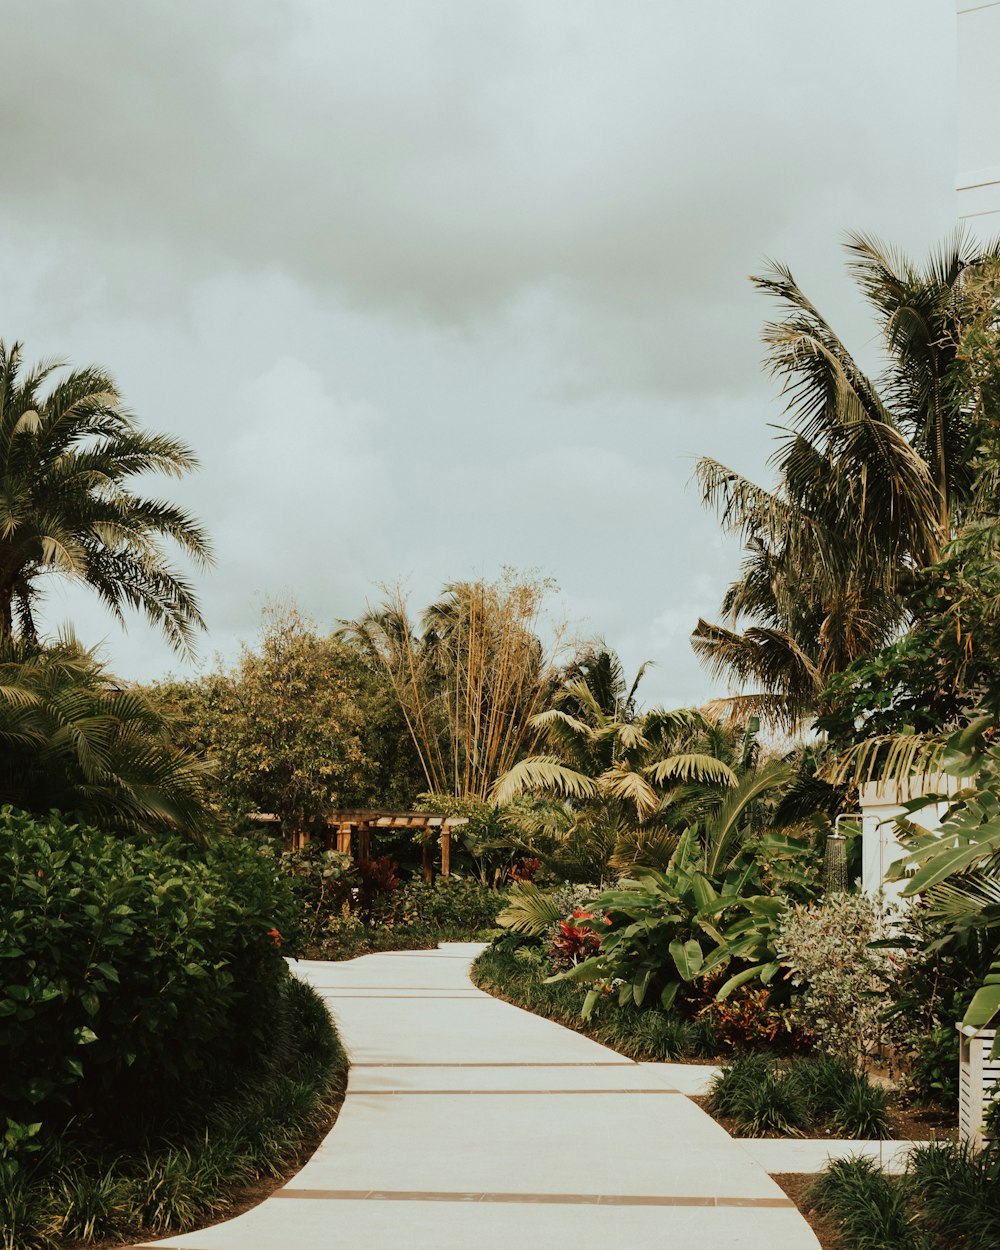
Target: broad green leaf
(687, 957)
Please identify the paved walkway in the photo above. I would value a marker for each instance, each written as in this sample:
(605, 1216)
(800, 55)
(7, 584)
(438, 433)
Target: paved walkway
(472, 1125)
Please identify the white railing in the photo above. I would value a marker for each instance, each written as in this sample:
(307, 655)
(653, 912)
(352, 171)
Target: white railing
(979, 1085)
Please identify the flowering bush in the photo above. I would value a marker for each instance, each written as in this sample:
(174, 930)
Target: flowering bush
(526, 870)
(841, 981)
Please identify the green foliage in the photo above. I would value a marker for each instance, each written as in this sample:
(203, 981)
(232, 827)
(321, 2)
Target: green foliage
(956, 1194)
(322, 882)
(840, 978)
(829, 551)
(458, 906)
(669, 929)
(948, 1198)
(68, 457)
(85, 1190)
(302, 725)
(73, 739)
(138, 975)
(928, 989)
(767, 1096)
(468, 679)
(870, 1208)
(535, 912)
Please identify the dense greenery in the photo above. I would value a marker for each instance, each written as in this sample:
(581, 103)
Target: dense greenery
(948, 1198)
(79, 1189)
(765, 1097)
(71, 738)
(139, 976)
(468, 678)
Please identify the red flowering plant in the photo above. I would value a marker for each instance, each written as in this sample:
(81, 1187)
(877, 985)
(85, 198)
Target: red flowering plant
(576, 940)
(526, 870)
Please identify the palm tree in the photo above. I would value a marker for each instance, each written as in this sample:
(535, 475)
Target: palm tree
(71, 738)
(871, 478)
(617, 788)
(67, 457)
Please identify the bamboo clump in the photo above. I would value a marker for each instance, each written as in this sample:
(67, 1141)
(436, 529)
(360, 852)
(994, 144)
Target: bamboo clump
(470, 680)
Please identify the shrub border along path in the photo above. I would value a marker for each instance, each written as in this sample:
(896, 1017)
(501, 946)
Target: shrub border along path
(468, 1122)
(254, 1142)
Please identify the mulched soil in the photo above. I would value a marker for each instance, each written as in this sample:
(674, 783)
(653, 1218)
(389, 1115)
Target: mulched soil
(796, 1186)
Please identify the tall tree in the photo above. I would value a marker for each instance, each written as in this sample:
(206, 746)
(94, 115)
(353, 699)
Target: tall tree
(468, 679)
(872, 477)
(68, 455)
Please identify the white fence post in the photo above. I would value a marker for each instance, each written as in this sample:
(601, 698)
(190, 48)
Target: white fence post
(978, 1084)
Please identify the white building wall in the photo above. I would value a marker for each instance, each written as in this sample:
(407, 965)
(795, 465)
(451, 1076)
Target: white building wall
(881, 806)
(979, 115)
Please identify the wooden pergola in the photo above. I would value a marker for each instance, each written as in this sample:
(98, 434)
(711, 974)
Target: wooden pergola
(350, 830)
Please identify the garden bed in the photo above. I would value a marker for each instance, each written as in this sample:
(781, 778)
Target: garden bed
(905, 1123)
(81, 1195)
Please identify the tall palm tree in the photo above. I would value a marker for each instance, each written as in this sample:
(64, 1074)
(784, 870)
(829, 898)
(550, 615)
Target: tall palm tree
(872, 476)
(68, 455)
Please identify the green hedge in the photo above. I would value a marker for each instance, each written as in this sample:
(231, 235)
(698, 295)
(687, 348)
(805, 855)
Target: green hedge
(135, 976)
(456, 906)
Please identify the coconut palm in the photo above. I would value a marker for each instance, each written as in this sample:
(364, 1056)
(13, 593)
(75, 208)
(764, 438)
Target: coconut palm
(68, 454)
(872, 477)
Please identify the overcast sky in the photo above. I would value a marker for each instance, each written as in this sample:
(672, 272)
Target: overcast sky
(437, 286)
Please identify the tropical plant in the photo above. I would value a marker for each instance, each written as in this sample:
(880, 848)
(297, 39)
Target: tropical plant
(67, 459)
(667, 928)
(840, 973)
(72, 738)
(871, 476)
(469, 679)
(616, 788)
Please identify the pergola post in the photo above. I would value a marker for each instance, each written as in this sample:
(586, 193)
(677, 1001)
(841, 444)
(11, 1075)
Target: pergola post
(427, 861)
(364, 843)
(344, 838)
(445, 853)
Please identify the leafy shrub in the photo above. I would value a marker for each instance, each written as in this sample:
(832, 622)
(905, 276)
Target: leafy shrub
(138, 975)
(957, 1194)
(654, 1036)
(765, 1095)
(870, 1208)
(746, 1020)
(572, 943)
(458, 905)
(322, 882)
(841, 980)
(929, 988)
(83, 1189)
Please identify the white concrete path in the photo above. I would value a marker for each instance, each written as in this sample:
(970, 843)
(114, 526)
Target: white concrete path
(472, 1125)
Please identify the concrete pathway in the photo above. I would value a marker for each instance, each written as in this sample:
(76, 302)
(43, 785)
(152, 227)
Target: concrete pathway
(472, 1125)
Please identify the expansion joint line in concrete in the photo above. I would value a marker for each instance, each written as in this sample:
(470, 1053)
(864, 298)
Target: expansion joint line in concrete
(593, 1200)
(505, 1093)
